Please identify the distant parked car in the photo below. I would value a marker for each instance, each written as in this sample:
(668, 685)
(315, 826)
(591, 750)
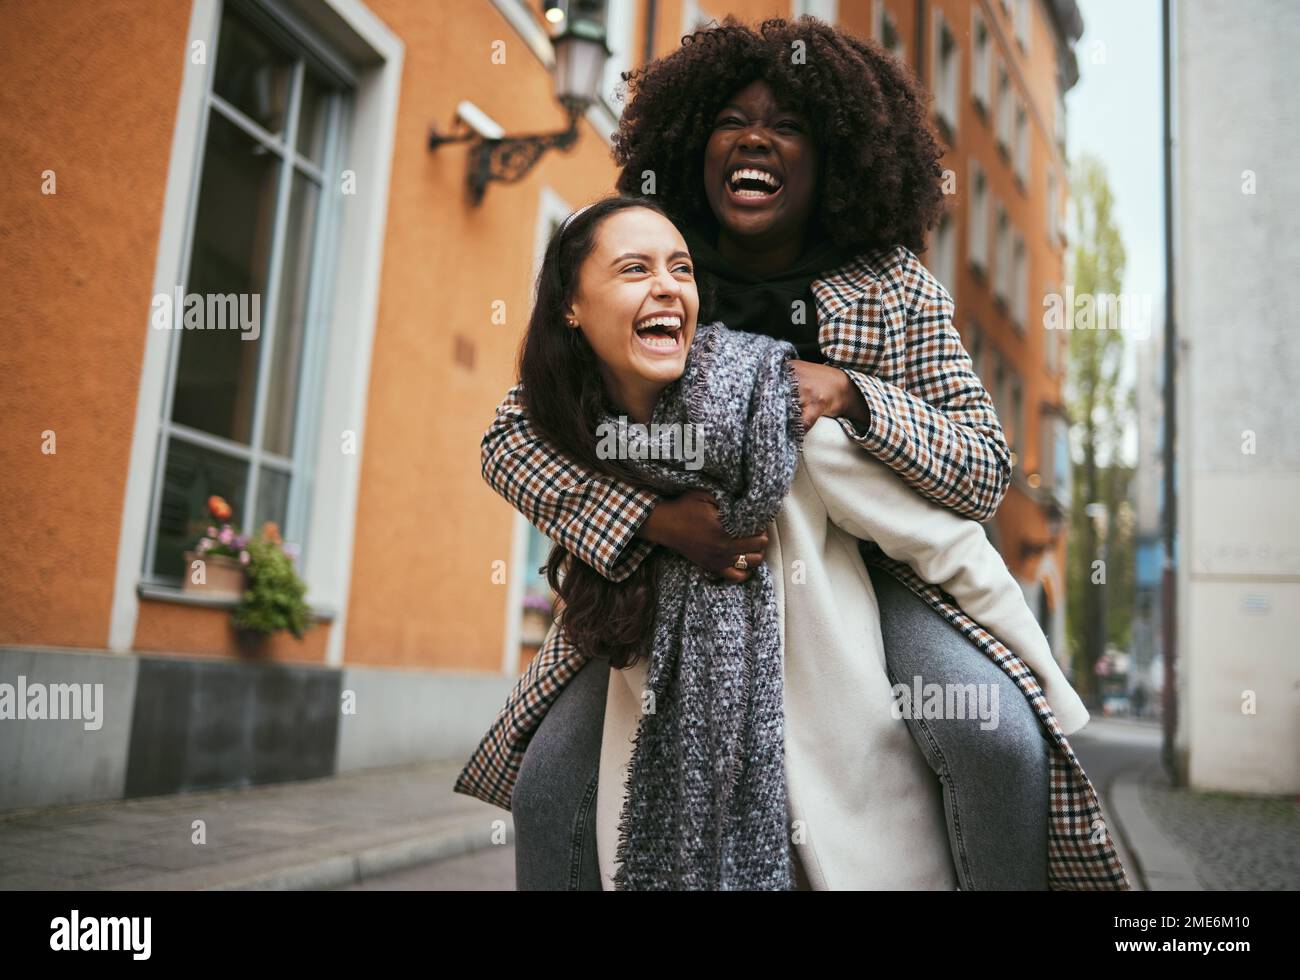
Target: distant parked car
(1115, 704)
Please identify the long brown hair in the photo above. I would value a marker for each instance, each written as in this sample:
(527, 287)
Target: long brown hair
(564, 396)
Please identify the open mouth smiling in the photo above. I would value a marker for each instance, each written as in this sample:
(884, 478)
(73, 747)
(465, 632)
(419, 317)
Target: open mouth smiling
(753, 184)
(660, 332)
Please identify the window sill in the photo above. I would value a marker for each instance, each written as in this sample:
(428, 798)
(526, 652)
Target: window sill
(947, 127)
(170, 593)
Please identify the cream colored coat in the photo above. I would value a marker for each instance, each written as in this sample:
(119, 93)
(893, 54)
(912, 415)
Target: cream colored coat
(866, 809)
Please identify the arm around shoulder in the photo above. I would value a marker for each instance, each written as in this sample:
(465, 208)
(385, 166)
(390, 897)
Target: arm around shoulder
(592, 515)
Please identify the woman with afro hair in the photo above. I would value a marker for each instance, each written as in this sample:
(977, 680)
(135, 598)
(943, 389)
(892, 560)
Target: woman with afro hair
(799, 163)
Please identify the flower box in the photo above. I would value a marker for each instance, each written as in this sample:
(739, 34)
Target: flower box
(257, 571)
(223, 576)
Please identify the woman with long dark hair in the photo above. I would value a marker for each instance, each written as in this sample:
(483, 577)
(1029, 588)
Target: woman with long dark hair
(802, 190)
(778, 680)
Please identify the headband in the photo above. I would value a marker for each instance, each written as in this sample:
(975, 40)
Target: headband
(564, 227)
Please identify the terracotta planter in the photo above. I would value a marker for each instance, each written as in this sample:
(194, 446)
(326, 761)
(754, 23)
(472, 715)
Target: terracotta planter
(224, 576)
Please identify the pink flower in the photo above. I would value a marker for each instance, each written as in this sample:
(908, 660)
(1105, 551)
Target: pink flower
(227, 535)
(212, 532)
(204, 545)
(243, 558)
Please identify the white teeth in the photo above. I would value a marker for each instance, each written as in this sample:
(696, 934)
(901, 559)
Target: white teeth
(753, 173)
(667, 322)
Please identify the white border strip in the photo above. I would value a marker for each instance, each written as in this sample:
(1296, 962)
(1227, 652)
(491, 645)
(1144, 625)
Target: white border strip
(551, 207)
(360, 247)
(134, 530)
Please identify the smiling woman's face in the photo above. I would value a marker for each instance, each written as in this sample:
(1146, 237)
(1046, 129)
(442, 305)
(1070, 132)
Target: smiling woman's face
(751, 132)
(637, 302)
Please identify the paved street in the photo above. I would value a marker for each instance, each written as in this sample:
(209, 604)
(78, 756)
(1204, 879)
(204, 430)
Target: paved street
(1233, 843)
(403, 829)
(1107, 748)
(1185, 839)
(491, 869)
(312, 834)
(1227, 842)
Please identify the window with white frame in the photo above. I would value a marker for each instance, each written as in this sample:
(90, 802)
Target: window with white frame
(1046, 449)
(538, 603)
(884, 29)
(237, 411)
(975, 346)
(1023, 12)
(980, 59)
(1051, 339)
(1019, 281)
(947, 72)
(1022, 144)
(827, 10)
(695, 17)
(997, 386)
(1005, 110)
(1052, 215)
(943, 253)
(1001, 254)
(977, 217)
(1016, 437)
(537, 599)
(1060, 121)
(620, 21)
(1054, 467)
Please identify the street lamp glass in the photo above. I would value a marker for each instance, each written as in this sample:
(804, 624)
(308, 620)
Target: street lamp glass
(579, 66)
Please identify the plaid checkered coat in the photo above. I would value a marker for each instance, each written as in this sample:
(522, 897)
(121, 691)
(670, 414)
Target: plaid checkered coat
(886, 321)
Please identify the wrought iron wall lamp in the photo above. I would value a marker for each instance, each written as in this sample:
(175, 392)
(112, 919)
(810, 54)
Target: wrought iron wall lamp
(580, 55)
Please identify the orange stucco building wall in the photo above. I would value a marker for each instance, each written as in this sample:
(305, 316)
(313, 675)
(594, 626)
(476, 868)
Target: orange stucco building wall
(78, 272)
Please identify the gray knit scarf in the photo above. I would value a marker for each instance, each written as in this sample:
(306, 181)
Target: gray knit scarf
(706, 805)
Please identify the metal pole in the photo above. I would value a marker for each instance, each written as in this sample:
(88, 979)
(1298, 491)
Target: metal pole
(1169, 607)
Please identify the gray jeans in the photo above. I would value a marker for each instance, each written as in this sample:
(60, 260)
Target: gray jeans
(995, 782)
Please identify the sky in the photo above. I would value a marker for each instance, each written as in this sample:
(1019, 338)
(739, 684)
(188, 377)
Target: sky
(1114, 113)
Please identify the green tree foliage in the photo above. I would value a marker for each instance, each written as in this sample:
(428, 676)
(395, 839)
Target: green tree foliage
(1100, 409)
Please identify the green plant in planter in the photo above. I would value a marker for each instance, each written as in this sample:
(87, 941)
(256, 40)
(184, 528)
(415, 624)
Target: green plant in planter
(274, 599)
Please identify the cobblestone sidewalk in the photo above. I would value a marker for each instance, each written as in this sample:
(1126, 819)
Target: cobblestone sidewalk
(1233, 843)
(319, 833)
